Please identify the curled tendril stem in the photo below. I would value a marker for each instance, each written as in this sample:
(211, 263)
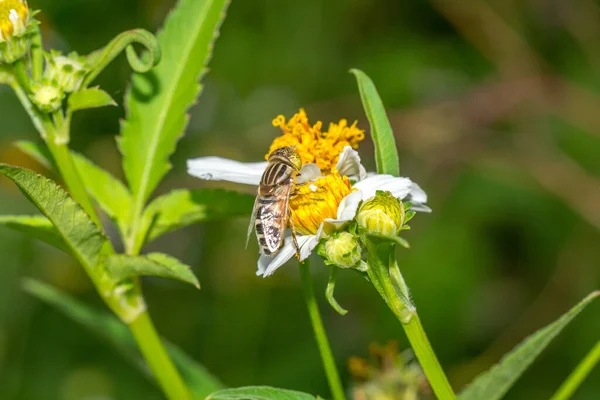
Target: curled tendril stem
(99, 59)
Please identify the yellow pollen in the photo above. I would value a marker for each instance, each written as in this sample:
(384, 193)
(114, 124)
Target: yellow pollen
(315, 201)
(312, 144)
(9, 8)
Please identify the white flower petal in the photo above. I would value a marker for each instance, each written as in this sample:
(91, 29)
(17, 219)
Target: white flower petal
(347, 209)
(223, 169)
(399, 187)
(350, 166)
(418, 198)
(417, 195)
(308, 172)
(268, 265)
(420, 207)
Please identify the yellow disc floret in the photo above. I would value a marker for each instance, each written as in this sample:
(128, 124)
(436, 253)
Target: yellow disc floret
(317, 200)
(14, 15)
(314, 145)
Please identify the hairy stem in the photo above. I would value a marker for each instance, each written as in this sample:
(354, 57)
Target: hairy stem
(333, 377)
(572, 383)
(386, 277)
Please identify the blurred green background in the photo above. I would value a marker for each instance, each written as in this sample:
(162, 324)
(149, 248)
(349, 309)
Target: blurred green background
(496, 109)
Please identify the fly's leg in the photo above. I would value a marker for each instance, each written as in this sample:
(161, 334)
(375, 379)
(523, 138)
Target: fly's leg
(291, 223)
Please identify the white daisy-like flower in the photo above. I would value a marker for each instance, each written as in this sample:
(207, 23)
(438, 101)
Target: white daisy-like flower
(323, 205)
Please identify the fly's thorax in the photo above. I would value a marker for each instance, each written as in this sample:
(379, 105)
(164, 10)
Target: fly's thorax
(286, 155)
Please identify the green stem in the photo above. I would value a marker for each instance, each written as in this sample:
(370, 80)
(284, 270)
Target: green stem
(158, 359)
(41, 122)
(37, 55)
(21, 74)
(569, 386)
(426, 356)
(333, 377)
(386, 277)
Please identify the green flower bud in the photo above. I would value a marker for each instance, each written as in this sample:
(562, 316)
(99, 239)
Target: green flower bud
(14, 34)
(67, 71)
(47, 96)
(382, 214)
(343, 250)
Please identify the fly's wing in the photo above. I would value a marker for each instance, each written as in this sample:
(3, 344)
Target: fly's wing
(274, 216)
(252, 220)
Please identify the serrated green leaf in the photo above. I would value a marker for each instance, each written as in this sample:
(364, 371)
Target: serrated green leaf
(77, 230)
(386, 154)
(259, 393)
(122, 267)
(109, 192)
(35, 226)
(495, 382)
(89, 98)
(184, 207)
(157, 102)
(113, 331)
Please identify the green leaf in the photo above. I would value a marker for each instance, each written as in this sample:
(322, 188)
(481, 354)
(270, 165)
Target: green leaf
(157, 102)
(109, 192)
(259, 393)
(111, 330)
(89, 98)
(77, 230)
(183, 207)
(99, 59)
(41, 154)
(122, 267)
(494, 383)
(386, 154)
(35, 226)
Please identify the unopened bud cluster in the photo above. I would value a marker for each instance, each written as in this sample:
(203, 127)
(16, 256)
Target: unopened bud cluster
(382, 215)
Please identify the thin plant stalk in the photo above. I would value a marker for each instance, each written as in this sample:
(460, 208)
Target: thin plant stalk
(387, 279)
(333, 377)
(141, 326)
(572, 383)
(158, 359)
